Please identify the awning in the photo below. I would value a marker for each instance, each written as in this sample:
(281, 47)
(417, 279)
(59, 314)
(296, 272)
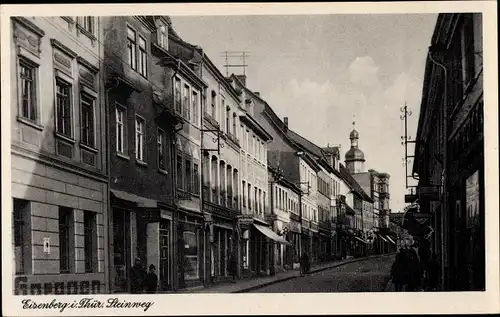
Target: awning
(390, 240)
(271, 234)
(140, 201)
(362, 240)
(382, 237)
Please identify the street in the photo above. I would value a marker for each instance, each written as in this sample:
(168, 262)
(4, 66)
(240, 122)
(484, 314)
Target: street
(369, 275)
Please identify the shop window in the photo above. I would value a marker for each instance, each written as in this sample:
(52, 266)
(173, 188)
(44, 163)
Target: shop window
(191, 260)
(90, 241)
(65, 224)
(22, 235)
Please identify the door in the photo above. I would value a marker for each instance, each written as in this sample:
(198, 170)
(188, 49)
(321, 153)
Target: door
(121, 250)
(165, 258)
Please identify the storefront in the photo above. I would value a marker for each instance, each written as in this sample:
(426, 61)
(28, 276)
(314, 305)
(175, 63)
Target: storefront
(140, 229)
(294, 239)
(189, 249)
(222, 247)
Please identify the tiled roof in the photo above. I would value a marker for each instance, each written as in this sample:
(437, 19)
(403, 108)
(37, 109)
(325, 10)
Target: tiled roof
(352, 182)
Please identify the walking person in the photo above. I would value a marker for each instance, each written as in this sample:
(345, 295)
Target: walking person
(304, 264)
(233, 265)
(151, 283)
(398, 271)
(414, 270)
(137, 277)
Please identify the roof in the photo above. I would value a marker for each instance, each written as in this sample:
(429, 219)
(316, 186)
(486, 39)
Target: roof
(354, 154)
(353, 184)
(354, 134)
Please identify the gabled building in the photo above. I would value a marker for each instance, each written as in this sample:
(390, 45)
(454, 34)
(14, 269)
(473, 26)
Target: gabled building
(141, 137)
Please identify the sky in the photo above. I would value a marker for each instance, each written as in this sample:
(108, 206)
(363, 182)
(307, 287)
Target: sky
(325, 71)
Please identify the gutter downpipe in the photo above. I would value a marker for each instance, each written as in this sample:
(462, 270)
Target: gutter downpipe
(175, 216)
(444, 208)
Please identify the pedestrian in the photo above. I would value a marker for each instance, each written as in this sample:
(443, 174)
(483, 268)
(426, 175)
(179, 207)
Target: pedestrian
(398, 271)
(137, 277)
(233, 265)
(304, 264)
(151, 283)
(414, 270)
(432, 273)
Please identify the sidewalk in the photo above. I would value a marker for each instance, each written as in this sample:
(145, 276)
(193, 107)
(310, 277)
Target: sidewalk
(246, 285)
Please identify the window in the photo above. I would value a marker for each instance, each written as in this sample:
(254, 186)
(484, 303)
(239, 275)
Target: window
(260, 201)
(63, 110)
(244, 195)
(131, 48)
(179, 172)
(222, 109)
(120, 116)
(65, 222)
(161, 149)
(177, 92)
(249, 196)
(87, 24)
(264, 199)
(214, 101)
(468, 54)
(188, 176)
(185, 103)
(194, 111)
(139, 139)
(163, 36)
(90, 241)
(143, 57)
(28, 90)
(228, 120)
(87, 113)
(256, 199)
(196, 179)
(22, 243)
(234, 124)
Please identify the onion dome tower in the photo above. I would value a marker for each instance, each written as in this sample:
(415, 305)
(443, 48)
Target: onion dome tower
(354, 158)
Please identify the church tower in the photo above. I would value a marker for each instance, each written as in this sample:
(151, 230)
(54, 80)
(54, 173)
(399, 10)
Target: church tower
(354, 158)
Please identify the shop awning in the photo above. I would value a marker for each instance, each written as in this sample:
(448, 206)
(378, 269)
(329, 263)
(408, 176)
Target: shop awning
(361, 240)
(382, 237)
(140, 201)
(390, 239)
(271, 234)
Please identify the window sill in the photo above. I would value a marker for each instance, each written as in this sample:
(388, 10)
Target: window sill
(88, 147)
(65, 138)
(141, 163)
(122, 156)
(30, 123)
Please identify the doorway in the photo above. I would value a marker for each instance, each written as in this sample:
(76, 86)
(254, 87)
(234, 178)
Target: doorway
(165, 257)
(121, 250)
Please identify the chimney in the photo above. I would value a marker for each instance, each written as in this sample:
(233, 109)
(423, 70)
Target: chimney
(285, 124)
(257, 93)
(243, 79)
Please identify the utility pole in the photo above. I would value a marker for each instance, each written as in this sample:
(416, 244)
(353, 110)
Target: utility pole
(405, 113)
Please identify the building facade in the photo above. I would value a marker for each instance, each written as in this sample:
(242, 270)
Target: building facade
(58, 155)
(450, 151)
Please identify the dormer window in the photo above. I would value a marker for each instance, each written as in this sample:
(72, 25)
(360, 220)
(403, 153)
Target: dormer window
(162, 33)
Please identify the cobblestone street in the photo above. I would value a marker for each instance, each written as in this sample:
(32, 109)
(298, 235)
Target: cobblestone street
(370, 275)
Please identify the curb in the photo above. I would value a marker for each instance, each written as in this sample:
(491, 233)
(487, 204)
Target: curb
(248, 289)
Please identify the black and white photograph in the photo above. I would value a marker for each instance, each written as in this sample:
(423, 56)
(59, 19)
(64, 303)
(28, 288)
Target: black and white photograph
(252, 153)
